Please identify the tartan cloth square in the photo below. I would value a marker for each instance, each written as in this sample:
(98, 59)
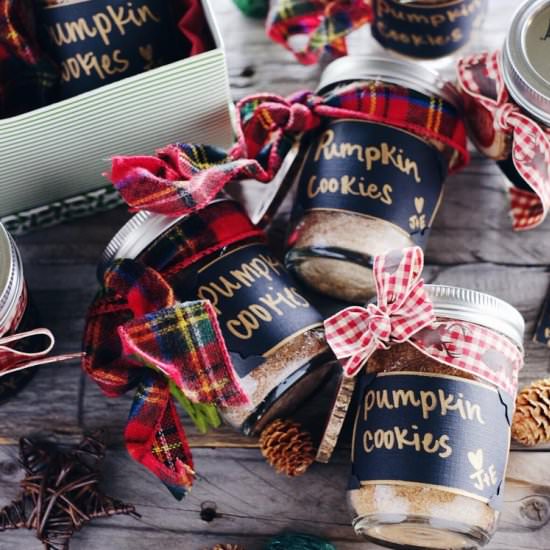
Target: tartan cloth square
(183, 342)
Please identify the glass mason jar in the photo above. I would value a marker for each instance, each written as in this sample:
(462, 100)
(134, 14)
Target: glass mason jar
(366, 188)
(274, 336)
(16, 313)
(431, 442)
(102, 41)
(426, 29)
(526, 74)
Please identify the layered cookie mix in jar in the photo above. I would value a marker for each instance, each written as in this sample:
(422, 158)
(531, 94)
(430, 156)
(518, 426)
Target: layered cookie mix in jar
(507, 102)
(374, 181)
(426, 29)
(274, 336)
(437, 370)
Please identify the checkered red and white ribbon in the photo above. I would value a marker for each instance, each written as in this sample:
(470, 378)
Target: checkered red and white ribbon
(404, 313)
(530, 140)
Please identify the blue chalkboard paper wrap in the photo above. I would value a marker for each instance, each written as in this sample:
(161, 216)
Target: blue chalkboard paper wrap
(258, 304)
(95, 42)
(426, 30)
(542, 332)
(375, 170)
(432, 430)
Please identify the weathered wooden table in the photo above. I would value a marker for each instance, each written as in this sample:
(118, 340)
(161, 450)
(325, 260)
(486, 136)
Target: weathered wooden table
(472, 245)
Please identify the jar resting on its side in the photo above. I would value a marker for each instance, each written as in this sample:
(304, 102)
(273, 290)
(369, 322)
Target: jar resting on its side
(431, 441)
(526, 73)
(426, 29)
(366, 188)
(274, 336)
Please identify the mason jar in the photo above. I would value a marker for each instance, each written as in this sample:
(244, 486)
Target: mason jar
(431, 441)
(364, 187)
(98, 42)
(274, 336)
(526, 73)
(426, 29)
(16, 313)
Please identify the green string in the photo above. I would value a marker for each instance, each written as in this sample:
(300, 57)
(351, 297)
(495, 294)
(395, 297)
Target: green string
(253, 8)
(203, 416)
(298, 542)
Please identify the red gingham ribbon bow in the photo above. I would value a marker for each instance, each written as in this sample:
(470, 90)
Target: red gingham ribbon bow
(480, 78)
(403, 309)
(404, 313)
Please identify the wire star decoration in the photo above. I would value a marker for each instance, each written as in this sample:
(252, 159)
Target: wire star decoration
(60, 491)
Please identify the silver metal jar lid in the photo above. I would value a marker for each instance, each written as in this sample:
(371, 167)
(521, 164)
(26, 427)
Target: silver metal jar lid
(11, 276)
(525, 61)
(479, 308)
(136, 235)
(396, 71)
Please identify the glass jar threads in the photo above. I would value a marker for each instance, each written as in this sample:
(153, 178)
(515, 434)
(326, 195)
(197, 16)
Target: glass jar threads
(372, 184)
(432, 432)
(16, 314)
(426, 29)
(274, 336)
(98, 41)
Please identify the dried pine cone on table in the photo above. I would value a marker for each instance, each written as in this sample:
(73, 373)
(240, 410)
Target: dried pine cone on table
(287, 448)
(227, 547)
(531, 423)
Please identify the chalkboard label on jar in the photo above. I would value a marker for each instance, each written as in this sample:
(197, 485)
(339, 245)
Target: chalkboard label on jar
(426, 30)
(432, 429)
(258, 304)
(375, 170)
(96, 42)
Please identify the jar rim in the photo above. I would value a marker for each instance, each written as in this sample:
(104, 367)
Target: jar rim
(11, 277)
(527, 86)
(396, 71)
(137, 234)
(479, 308)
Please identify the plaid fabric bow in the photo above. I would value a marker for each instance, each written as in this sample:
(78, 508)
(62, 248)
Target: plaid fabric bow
(402, 310)
(183, 178)
(325, 23)
(480, 78)
(135, 322)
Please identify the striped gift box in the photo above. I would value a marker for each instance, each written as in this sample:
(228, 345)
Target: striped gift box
(70, 142)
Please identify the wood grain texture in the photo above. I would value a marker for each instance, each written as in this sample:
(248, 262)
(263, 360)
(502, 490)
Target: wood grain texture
(472, 245)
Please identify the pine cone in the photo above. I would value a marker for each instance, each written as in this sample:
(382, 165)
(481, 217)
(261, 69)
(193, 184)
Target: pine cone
(227, 547)
(287, 448)
(531, 423)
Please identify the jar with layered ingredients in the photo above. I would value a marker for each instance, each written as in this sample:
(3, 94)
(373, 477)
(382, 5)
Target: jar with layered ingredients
(432, 432)
(274, 336)
(367, 187)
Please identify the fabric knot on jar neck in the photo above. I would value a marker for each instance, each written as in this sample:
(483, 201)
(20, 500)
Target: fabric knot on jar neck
(379, 327)
(503, 114)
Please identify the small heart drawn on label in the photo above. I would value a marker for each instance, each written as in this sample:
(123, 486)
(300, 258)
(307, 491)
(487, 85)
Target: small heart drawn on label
(146, 52)
(419, 204)
(476, 459)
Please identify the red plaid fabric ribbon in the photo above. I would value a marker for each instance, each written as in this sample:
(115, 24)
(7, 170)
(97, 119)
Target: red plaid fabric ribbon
(404, 313)
(135, 322)
(183, 178)
(323, 23)
(480, 78)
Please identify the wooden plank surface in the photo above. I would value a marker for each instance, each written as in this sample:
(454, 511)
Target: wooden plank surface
(472, 245)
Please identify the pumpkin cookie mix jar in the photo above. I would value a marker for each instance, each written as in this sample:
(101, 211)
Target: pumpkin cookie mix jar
(374, 181)
(274, 336)
(437, 371)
